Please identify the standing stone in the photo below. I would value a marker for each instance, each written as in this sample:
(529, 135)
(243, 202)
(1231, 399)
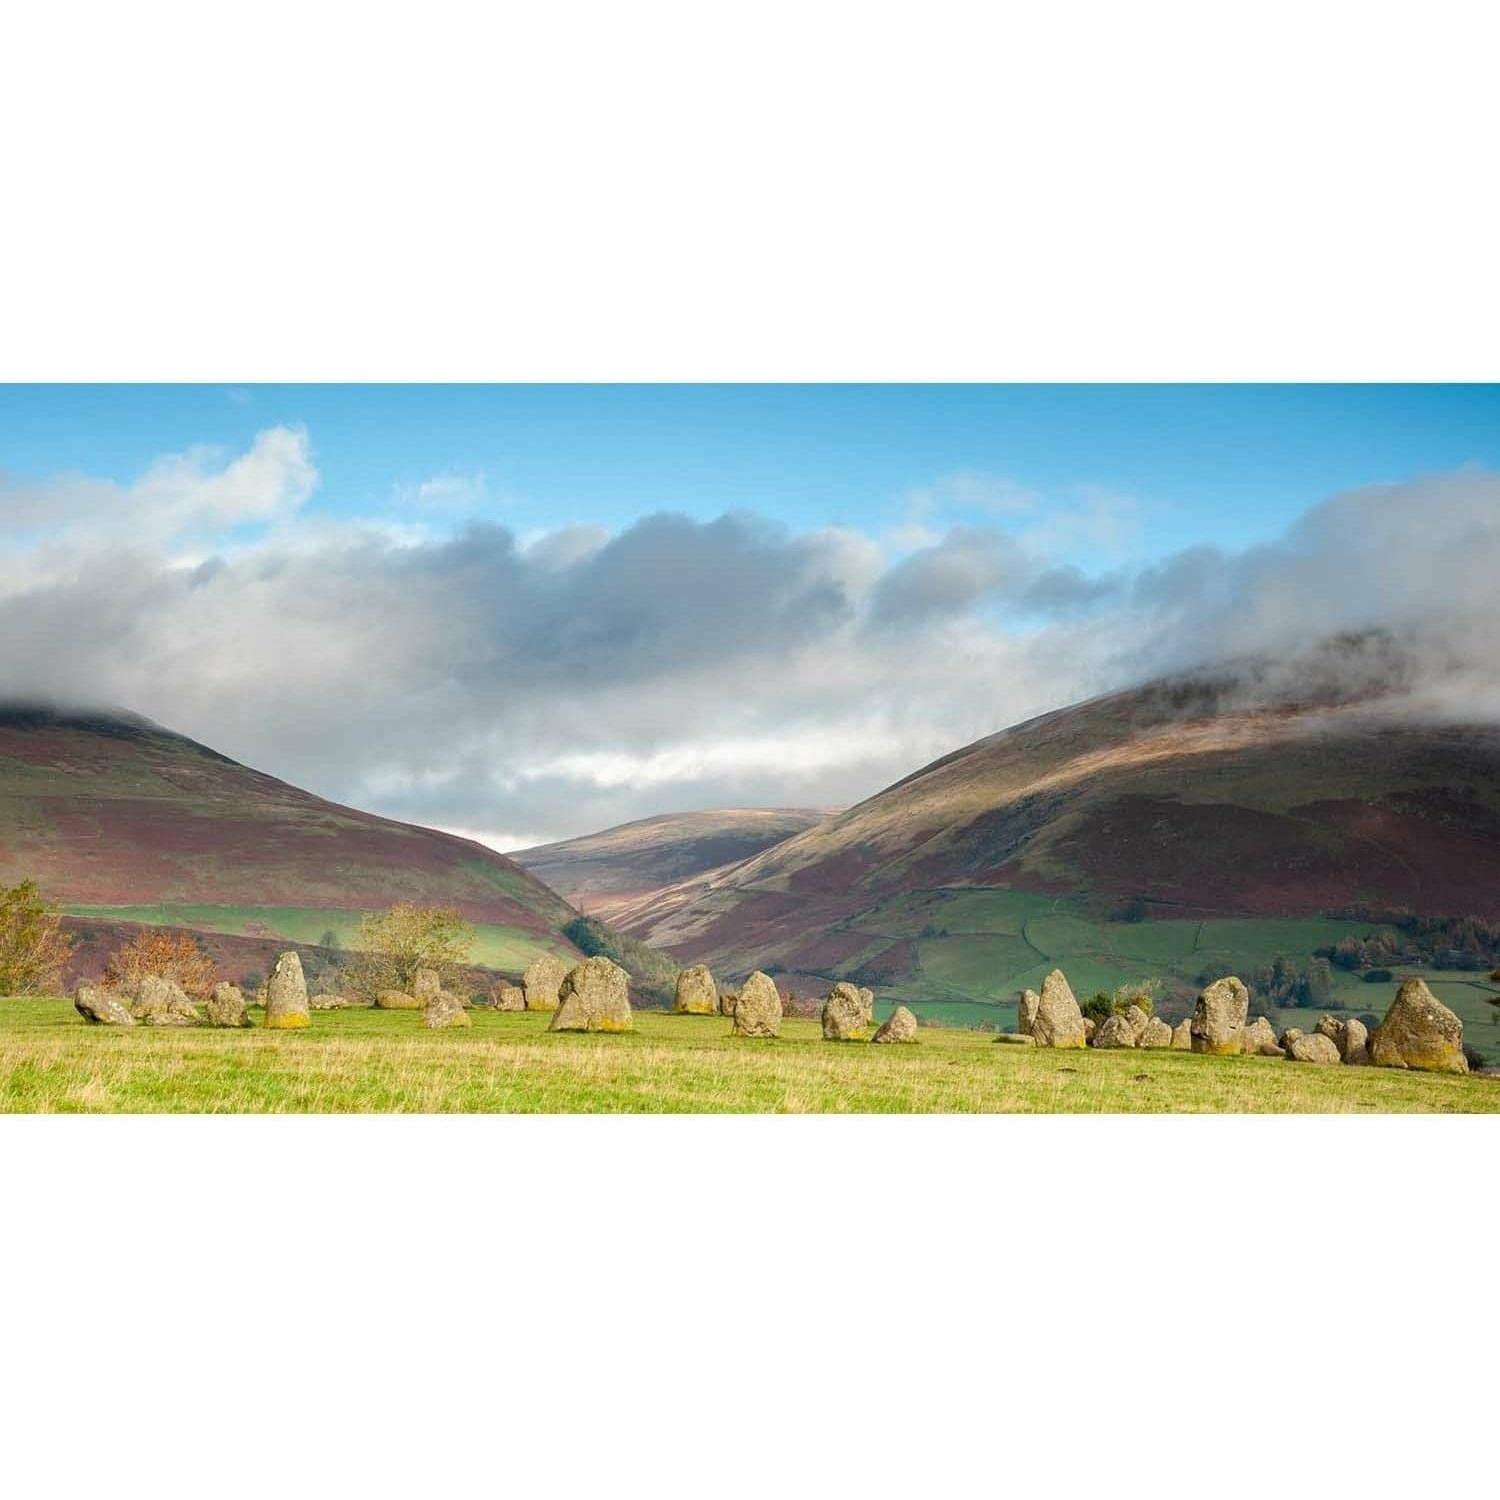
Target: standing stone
(226, 1006)
(1219, 1017)
(867, 997)
(1114, 1031)
(510, 997)
(1136, 1017)
(1026, 1010)
(1090, 1031)
(1353, 1042)
(697, 994)
(162, 1002)
(442, 1009)
(757, 1009)
(102, 1006)
(1419, 1031)
(1182, 1036)
(1156, 1033)
(1312, 1047)
(286, 994)
(727, 999)
(844, 1014)
(396, 1000)
(542, 980)
(1259, 1038)
(595, 996)
(899, 1026)
(426, 983)
(1058, 1021)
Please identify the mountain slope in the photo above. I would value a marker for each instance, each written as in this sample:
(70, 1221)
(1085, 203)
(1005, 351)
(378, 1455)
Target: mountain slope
(1176, 802)
(118, 817)
(613, 871)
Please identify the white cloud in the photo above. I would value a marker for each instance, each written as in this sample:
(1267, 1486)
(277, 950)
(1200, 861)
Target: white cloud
(546, 686)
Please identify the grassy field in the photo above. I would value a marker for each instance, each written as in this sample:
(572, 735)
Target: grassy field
(976, 948)
(385, 1061)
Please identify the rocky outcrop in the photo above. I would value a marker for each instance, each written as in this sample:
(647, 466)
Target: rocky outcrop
(102, 1006)
(1419, 1031)
(542, 981)
(162, 1002)
(697, 994)
(1155, 1033)
(1312, 1047)
(757, 1009)
(1218, 1021)
(844, 1014)
(226, 1006)
(286, 994)
(510, 997)
(899, 1026)
(595, 996)
(1058, 1021)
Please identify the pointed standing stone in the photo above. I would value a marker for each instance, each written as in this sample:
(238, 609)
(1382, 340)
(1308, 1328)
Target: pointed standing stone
(286, 994)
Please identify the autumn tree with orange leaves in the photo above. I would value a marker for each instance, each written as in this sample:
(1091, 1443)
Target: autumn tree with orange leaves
(168, 955)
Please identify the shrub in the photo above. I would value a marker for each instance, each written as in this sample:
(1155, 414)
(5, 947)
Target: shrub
(1377, 976)
(394, 944)
(1475, 1057)
(33, 947)
(167, 955)
(1142, 993)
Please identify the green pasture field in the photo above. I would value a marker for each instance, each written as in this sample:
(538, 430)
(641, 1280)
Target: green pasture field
(506, 948)
(365, 1061)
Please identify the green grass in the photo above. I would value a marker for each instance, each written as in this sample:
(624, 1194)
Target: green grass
(495, 947)
(976, 948)
(380, 1061)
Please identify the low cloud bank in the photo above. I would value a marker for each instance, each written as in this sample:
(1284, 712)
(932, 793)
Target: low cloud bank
(531, 691)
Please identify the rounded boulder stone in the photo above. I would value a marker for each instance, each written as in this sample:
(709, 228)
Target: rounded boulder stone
(510, 997)
(844, 1014)
(1419, 1031)
(101, 1006)
(899, 1026)
(226, 1006)
(542, 981)
(696, 994)
(396, 1000)
(595, 996)
(757, 1008)
(442, 1010)
(1137, 1018)
(286, 994)
(1058, 1021)
(1312, 1047)
(1259, 1037)
(1218, 1021)
(162, 1002)
(1114, 1031)
(1155, 1033)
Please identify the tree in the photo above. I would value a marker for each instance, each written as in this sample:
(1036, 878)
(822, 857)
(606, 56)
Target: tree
(167, 955)
(33, 946)
(396, 943)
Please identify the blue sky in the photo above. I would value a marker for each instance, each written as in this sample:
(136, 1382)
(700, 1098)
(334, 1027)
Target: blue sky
(1227, 465)
(530, 612)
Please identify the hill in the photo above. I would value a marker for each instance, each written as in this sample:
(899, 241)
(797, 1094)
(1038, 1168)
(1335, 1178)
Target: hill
(121, 820)
(1169, 830)
(611, 872)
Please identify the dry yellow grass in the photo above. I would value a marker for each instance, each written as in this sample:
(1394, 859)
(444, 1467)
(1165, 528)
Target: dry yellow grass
(379, 1061)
